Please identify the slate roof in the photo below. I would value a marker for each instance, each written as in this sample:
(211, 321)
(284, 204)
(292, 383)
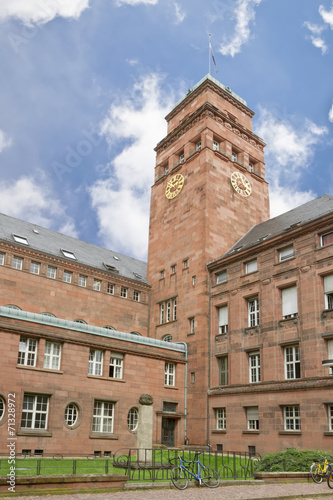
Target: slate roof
(51, 243)
(298, 217)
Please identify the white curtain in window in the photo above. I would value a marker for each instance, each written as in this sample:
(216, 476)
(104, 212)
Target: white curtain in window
(223, 315)
(289, 301)
(253, 413)
(328, 284)
(330, 349)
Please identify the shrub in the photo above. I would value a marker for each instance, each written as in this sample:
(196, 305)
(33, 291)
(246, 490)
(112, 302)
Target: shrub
(292, 460)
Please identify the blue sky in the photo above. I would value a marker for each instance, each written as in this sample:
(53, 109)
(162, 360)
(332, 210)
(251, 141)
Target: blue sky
(85, 86)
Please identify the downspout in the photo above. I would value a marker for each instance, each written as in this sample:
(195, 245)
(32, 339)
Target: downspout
(185, 391)
(209, 361)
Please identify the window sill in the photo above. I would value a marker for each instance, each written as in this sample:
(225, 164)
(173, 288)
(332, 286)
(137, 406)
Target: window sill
(34, 432)
(251, 432)
(102, 435)
(296, 433)
(112, 379)
(167, 322)
(34, 368)
(171, 387)
(328, 433)
(219, 431)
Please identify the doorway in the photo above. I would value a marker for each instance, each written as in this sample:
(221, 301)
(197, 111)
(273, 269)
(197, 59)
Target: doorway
(168, 432)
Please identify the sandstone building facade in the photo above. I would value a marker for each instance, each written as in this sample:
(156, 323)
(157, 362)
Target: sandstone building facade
(227, 326)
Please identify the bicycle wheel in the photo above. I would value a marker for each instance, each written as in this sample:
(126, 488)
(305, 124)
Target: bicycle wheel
(210, 477)
(316, 473)
(330, 477)
(179, 478)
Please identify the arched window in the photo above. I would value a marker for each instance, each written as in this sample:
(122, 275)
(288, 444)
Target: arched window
(10, 306)
(2, 407)
(132, 419)
(71, 414)
(80, 321)
(167, 338)
(109, 327)
(136, 333)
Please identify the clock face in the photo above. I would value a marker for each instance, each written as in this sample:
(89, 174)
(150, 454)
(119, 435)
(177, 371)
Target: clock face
(240, 184)
(174, 186)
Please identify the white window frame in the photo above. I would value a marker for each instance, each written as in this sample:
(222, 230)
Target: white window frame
(67, 277)
(330, 353)
(110, 289)
(97, 285)
(216, 146)
(292, 363)
(328, 291)
(286, 253)
(95, 365)
(17, 263)
(34, 267)
(192, 325)
(2, 407)
(194, 280)
(2, 258)
(330, 417)
(71, 414)
(162, 311)
(252, 416)
(20, 239)
(52, 356)
(123, 292)
(330, 235)
(103, 417)
(174, 309)
(51, 272)
(169, 374)
(251, 267)
(168, 311)
(136, 296)
(223, 371)
(167, 338)
(116, 365)
(132, 419)
(289, 302)
(27, 355)
(173, 269)
(35, 411)
(291, 418)
(254, 367)
(82, 280)
(221, 277)
(253, 312)
(68, 254)
(223, 319)
(221, 419)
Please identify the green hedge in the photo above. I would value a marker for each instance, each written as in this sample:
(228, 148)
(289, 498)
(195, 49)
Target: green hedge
(292, 460)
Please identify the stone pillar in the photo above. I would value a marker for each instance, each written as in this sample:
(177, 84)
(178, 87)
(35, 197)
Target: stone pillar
(145, 428)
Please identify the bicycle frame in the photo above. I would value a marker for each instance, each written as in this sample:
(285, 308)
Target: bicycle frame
(199, 465)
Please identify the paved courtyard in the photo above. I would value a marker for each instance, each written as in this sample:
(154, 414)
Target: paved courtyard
(243, 492)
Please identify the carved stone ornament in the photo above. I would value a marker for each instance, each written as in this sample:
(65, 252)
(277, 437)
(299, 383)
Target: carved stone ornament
(146, 400)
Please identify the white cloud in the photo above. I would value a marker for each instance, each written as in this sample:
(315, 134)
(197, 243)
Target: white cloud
(327, 15)
(33, 201)
(180, 15)
(290, 148)
(330, 114)
(244, 14)
(122, 199)
(135, 2)
(40, 12)
(5, 141)
(315, 37)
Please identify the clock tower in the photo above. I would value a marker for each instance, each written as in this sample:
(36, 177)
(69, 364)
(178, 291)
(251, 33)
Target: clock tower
(209, 190)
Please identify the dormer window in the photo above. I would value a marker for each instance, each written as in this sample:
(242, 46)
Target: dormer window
(69, 255)
(216, 146)
(20, 239)
(233, 156)
(111, 268)
(198, 146)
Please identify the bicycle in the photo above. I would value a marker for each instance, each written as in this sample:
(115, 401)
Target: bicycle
(318, 472)
(205, 475)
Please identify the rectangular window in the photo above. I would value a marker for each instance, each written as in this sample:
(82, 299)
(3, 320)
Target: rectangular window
(116, 365)
(286, 253)
(233, 156)
(198, 146)
(173, 269)
(186, 261)
(168, 311)
(330, 417)
(223, 370)
(97, 285)
(289, 303)
(20, 239)
(136, 296)
(254, 367)
(17, 263)
(162, 274)
(169, 374)
(34, 267)
(251, 267)
(82, 280)
(34, 412)
(191, 322)
(253, 312)
(327, 239)
(221, 419)
(51, 272)
(110, 289)
(2, 259)
(251, 167)
(330, 353)
(123, 292)
(292, 363)
(181, 158)
(216, 146)
(67, 277)
(174, 310)
(95, 366)
(221, 277)
(68, 254)
(292, 418)
(27, 354)
(223, 319)
(103, 417)
(52, 355)
(252, 414)
(162, 313)
(328, 289)
(194, 280)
